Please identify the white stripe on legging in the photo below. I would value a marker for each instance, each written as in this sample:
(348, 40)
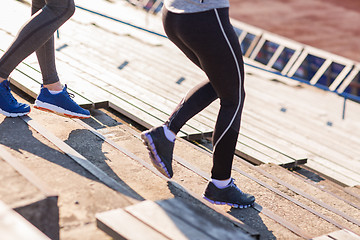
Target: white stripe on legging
(239, 73)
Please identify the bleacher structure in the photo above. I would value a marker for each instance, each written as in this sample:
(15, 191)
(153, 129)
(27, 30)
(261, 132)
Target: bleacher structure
(290, 58)
(302, 110)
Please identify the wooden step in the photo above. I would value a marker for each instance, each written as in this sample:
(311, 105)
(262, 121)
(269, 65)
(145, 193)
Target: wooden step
(339, 235)
(13, 226)
(192, 177)
(166, 219)
(347, 208)
(126, 171)
(28, 195)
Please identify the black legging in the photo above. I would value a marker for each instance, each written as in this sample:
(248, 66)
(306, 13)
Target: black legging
(38, 35)
(209, 40)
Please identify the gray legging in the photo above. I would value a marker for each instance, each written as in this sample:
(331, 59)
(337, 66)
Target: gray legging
(38, 35)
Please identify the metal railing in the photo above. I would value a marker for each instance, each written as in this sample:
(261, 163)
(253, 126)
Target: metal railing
(300, 62)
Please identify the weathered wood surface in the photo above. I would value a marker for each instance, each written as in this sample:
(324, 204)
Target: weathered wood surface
(167, 219)
(339, 235)
(30, 197)
(107, 62)
(13, 226)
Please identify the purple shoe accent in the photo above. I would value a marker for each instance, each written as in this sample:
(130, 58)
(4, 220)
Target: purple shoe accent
(160, 150)
(230, 195)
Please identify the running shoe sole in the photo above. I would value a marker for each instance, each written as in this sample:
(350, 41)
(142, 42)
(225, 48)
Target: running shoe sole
(229, 204)
(7, 114)
(155, 159)
(58, 110)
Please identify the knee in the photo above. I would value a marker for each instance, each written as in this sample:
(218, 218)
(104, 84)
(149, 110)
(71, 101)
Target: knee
(69, 9)
(64, 9)
(232, 100)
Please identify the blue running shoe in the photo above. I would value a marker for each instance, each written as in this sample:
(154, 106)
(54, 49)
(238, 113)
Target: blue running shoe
(60, 103)
(230, 195)
(8, 104)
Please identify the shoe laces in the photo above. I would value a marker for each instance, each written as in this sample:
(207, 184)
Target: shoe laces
(70, 95)
(232, 184)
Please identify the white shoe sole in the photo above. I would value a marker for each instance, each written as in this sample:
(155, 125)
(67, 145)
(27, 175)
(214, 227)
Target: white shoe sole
(7, 114)
(58, 110)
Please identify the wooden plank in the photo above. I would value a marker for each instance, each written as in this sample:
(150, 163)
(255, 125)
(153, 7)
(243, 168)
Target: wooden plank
(257, 207)
(28, 195)
(155, 55)
(328, 57)
(323, 237)
(25, 172)
(349, 78)
(283, 43)
(292, 227)
(258, 47)
(253, 155)
(352, 191)
(320, 71)
(167, 219)
(251, 148)
(340, 78)
(165, 106)
(272, 140)
(138, 115)
(201, 220)
(78, 158)
(169, 225)
(279, 158)
(255, 68)
(234, 220)
(275, 57)
(318, 107)
(295, 201)
(13, 226)
(320, 187)
(344, 234)
(297, 63)
(141, 99)
(336, 173)
(311, 138)
(313, 199)
(121, 225)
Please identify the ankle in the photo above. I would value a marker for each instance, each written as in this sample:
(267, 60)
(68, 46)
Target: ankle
(221, 183)
(170, 135)
(2, 79)
(57, 86)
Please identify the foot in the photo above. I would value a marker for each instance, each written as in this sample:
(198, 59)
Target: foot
(60, 103)
(8, 104)
(160, 150)
(230, 195)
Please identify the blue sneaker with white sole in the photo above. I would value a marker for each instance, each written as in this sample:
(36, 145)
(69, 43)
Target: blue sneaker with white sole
(60, 103)
(8, 104)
